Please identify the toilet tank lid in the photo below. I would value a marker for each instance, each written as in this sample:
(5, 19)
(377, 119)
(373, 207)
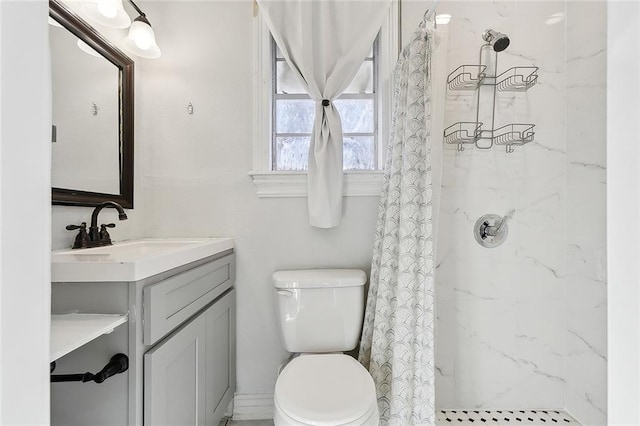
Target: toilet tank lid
(319, 278)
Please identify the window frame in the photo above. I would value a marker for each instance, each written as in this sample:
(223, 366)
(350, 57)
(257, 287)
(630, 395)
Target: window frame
(374, 96)
(270, 183)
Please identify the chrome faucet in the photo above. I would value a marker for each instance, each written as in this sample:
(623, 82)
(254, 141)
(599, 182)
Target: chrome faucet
(96, 237)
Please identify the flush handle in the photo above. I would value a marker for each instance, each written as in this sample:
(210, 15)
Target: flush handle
(286, 293)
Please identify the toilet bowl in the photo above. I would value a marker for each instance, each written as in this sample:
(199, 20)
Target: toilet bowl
(320, 316)
(325, 389)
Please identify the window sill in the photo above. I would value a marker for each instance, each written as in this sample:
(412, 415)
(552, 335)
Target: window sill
(294, 184)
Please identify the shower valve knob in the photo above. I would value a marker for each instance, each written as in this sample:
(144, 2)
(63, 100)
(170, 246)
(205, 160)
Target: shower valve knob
(491, 230)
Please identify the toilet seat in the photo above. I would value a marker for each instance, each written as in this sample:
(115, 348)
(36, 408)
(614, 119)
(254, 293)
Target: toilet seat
(325, 389)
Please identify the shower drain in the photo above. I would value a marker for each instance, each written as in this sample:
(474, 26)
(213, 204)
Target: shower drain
(504, 417)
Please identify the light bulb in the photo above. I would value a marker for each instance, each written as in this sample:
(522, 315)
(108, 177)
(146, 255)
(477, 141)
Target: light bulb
(141, 40)
(141, 35)
(109, 13)
(108, 8)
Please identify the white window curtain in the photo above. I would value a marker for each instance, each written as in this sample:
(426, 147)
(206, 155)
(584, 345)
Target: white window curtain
(324, 43)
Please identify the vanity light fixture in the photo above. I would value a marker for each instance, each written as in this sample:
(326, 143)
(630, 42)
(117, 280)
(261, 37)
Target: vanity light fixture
(109, 13)
(141, 40)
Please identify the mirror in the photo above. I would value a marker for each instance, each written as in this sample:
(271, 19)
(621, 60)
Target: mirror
(92, 117)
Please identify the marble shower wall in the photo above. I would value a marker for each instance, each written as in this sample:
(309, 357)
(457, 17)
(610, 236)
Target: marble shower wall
(586, 212)
(524, 325)
(502, 312)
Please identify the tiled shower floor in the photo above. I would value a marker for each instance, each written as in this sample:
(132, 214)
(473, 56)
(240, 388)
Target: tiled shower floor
(470, 417)
(504, 417)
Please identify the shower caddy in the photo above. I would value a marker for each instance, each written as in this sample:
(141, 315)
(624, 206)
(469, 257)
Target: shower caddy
(471, 78)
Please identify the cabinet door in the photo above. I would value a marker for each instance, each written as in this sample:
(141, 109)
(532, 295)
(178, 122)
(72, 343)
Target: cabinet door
(221, 357)
(174, 378)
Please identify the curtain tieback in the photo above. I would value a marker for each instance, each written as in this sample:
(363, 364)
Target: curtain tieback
(326, 102)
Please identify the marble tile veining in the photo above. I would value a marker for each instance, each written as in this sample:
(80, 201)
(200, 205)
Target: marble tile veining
(510, 318)
(586, 332)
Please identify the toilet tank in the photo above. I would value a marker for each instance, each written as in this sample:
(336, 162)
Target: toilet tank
(320, 310)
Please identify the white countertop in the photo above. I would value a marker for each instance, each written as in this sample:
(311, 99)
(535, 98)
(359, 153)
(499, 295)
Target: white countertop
(132, 260)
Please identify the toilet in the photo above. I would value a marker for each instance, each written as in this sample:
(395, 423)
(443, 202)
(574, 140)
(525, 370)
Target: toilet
(319, 314)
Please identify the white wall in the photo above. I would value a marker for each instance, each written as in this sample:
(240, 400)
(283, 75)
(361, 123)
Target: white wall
(24, 213)
(195, 168)
(623, 156)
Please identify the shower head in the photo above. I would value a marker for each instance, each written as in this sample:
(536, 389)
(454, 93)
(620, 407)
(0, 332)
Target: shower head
(498, 41)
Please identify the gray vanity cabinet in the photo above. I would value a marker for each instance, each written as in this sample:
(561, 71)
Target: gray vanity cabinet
(180, 340)
(175, 376)
(220, 362)
(187, 376)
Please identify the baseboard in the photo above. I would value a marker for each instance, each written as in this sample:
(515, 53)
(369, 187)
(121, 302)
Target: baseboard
(252, 406)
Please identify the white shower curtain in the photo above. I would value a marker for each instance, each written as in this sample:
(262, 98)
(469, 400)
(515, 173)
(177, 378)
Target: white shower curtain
(324, 43)
(398, 334)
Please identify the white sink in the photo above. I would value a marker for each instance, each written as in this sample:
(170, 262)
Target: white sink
(132, 260)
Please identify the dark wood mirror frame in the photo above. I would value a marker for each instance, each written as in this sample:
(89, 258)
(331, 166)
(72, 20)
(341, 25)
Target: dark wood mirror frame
(86, 33)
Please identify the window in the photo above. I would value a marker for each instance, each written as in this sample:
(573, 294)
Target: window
(283, 118)
(293, 114)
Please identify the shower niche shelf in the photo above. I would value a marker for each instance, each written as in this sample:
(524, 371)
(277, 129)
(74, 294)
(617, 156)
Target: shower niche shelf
(472, 78)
